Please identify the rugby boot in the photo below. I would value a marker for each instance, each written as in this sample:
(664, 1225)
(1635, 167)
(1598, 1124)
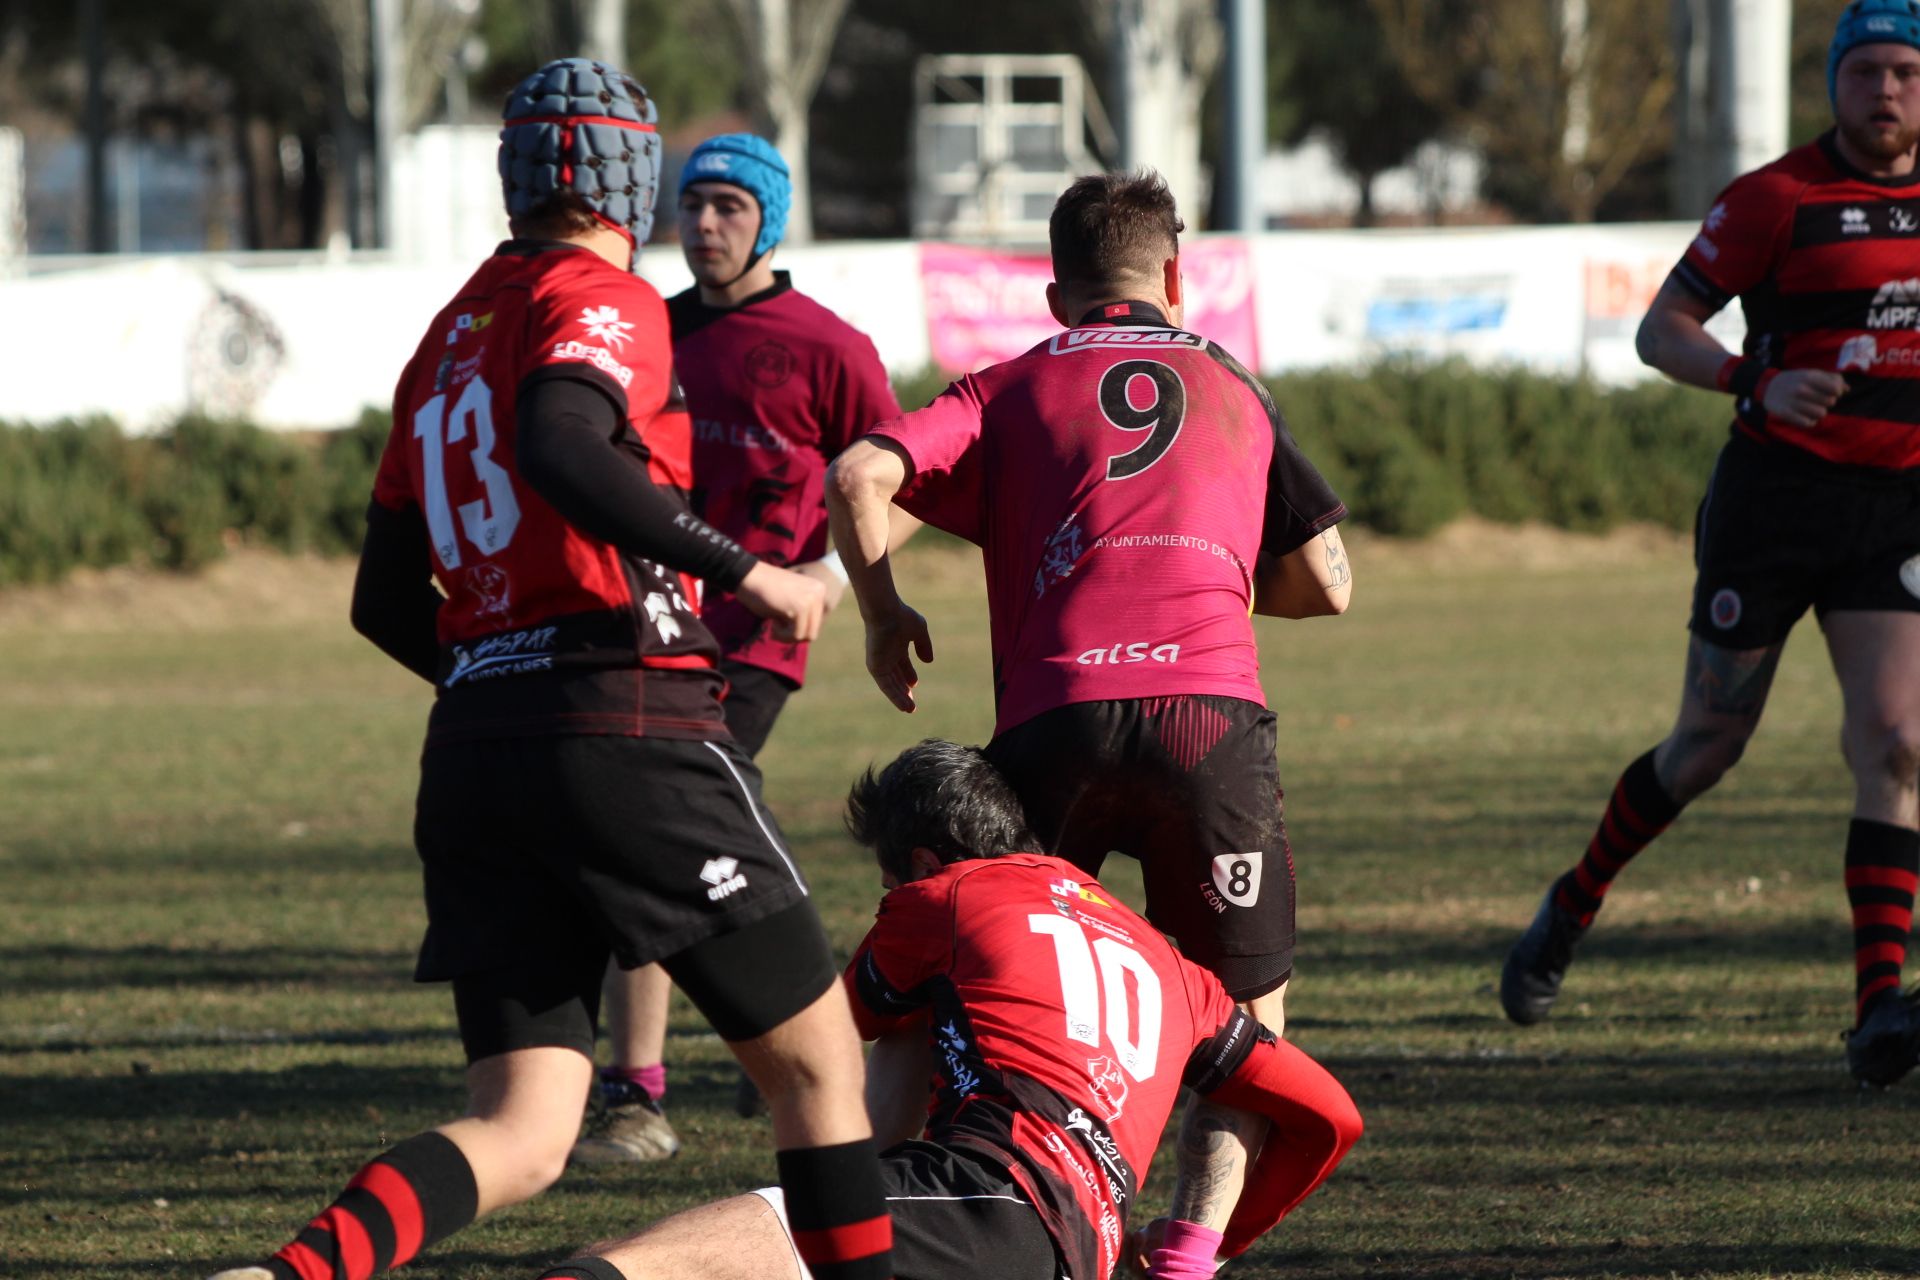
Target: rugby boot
(242, 1273)
(1530, 982)
(1886, 1044)
(626, 1125)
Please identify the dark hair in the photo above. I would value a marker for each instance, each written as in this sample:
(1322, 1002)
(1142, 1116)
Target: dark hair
(941, 796)
(1111, 228)
(562, 214)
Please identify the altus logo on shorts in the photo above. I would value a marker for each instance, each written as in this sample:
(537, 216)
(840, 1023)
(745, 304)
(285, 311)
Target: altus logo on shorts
(723, 875)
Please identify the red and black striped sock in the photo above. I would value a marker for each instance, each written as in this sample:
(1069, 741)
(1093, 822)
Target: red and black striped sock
(1639, 810)
(420, 1192)
(1883, 868)
(838, 1210)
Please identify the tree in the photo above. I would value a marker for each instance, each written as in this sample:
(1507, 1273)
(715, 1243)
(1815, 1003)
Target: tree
(1564, 99)
(1163, 53)
(1332, 71)
(784, 47)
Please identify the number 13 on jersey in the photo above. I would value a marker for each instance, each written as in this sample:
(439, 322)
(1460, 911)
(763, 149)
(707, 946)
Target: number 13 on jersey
(1082, 993)
(489, 522)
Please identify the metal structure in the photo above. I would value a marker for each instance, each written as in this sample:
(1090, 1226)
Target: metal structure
(996, 138)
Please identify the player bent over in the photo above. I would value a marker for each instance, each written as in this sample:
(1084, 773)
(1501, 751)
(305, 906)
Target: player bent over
(1815, 501)
(579, 796)
(1057, 1028)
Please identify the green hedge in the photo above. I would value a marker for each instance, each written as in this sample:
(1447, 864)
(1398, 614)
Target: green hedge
(1410, 446)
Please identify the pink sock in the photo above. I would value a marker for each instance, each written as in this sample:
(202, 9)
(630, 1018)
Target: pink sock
(652, 1078)
(1187, 1253)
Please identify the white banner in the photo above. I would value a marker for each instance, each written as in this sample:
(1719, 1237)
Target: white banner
(305, 341)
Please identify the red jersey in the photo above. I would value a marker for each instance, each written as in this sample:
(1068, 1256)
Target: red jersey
(1121, 480)
(1063, 1026)
(1826, 263)
(545, 629)
(777, 386)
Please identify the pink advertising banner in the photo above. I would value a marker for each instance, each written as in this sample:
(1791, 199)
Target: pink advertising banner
(985, 306)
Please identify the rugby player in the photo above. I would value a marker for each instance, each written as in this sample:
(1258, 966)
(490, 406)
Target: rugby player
(1815, 501)
(776, 385)
(1056, 1028)
(1135, 493)
(579, 794)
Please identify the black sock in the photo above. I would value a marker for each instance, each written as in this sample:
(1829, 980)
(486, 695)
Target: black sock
(838, 1210)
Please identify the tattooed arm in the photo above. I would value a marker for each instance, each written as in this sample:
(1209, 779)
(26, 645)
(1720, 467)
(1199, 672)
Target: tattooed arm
(1312, 580)
(1216, 1144)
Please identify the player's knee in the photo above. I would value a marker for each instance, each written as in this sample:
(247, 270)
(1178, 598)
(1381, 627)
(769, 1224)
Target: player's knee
(1885, 750)
(1701, 756)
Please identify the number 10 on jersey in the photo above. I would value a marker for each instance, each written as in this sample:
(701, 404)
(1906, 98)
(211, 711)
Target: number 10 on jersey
(1082, 993)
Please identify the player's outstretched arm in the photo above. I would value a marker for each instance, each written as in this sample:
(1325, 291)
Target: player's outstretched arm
(1313, 580)
(861, 485)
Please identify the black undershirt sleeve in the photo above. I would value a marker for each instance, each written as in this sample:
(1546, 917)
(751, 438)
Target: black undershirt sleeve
(566, 447)
(395, 603)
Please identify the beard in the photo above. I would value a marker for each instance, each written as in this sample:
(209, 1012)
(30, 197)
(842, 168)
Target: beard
(1880, 144)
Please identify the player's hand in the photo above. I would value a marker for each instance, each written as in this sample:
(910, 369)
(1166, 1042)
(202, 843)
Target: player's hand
(893, 638)
(835, 584)
(793, 602)
(1801, 397)
(1137, 1253)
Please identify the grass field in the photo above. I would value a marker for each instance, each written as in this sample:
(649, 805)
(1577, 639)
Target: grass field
(208, 903)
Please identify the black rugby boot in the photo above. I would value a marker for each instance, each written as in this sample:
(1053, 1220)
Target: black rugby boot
(1530, 982)
(1886, 1044)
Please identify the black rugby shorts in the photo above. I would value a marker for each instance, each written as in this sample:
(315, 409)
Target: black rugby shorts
(956, 1217)
(1780, 530)
(542, 856)
(1190, 787)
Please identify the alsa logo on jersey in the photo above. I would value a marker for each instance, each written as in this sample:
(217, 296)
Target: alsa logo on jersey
(605, 324)
(599, 357)
(1853, 221)
(724, 875)
(1088, 339)
(1124, 652)
(1896, 305)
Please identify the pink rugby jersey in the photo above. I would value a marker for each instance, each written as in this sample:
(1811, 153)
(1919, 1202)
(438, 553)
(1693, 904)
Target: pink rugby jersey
(777, 386)
(1121, 480)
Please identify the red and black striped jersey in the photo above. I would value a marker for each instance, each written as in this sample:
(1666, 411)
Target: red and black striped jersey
(1826, 263)
(777, 386)
(546, 629)
(1063, 1027)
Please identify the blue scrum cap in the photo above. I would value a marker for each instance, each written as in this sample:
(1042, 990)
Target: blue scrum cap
(1871, 22)
(581, 126)
(752, 164)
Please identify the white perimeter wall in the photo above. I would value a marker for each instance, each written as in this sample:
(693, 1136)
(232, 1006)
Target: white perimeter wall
(301, 341)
